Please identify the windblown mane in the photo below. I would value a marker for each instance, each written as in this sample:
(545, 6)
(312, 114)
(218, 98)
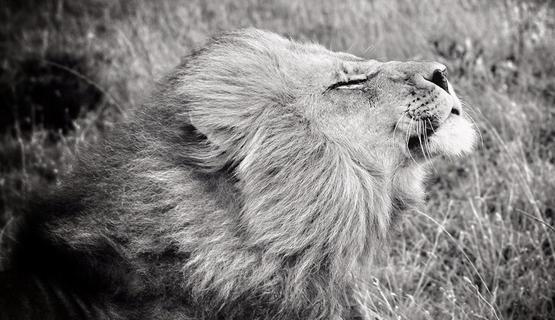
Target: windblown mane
(225, 200)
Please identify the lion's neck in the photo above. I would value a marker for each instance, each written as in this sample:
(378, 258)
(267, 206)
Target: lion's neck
(320, 210)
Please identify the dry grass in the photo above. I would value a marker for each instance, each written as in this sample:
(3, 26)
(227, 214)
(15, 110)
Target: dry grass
(483, 246)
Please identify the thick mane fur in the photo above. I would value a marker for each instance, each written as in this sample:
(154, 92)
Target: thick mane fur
(221, 200)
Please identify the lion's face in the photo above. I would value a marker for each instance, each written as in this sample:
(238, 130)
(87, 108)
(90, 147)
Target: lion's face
(406, 110)
(256, 86)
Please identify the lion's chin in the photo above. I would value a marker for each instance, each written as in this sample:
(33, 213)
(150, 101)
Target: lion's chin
(454, 137)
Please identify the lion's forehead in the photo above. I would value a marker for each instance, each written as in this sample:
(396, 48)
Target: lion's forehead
(271, 55)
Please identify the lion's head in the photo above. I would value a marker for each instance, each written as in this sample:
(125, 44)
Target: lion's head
(274, 107)
(385, 114)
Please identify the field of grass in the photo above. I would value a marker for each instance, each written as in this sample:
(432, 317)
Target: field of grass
(482, 248)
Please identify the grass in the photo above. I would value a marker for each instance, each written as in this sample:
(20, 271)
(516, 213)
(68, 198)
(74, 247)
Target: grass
(482, 248)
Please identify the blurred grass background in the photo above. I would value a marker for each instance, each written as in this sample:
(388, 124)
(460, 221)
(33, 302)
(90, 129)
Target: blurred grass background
(483, 246)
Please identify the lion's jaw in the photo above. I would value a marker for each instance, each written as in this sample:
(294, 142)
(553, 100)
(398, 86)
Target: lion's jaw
(453, 138)
(456, 135)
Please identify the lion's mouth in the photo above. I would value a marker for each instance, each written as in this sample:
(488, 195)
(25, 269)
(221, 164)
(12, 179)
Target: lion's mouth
(425, 129)
(417, 141)
(452, 136)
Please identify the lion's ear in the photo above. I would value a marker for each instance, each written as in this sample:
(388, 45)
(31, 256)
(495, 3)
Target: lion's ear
(203, 152)
(207, 126)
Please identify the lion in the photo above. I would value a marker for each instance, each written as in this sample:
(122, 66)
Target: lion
(257, 183)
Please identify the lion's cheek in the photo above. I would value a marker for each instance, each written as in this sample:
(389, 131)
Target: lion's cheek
(454, 138)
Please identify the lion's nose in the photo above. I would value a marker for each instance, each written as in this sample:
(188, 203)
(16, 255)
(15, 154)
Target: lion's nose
(439, 78)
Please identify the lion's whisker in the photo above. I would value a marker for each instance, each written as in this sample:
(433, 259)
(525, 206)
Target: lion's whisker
(427, 145)
(425, 139)
(411, 123)
(426, 134)
(397, 123)
(419, 135)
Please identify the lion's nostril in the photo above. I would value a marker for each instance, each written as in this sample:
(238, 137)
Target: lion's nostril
(439, 78)
(455, 111)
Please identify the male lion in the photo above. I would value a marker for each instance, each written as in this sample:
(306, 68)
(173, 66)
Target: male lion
(256, 184)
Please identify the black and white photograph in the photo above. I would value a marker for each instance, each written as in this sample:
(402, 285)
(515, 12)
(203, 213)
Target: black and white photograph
(277, 160)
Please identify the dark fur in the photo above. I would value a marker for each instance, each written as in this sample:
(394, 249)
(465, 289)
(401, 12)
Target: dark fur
(218, 199)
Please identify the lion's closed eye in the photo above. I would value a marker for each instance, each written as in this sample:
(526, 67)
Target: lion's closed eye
(355, 82)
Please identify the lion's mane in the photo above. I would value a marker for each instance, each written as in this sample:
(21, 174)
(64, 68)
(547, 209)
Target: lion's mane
(216, 199)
